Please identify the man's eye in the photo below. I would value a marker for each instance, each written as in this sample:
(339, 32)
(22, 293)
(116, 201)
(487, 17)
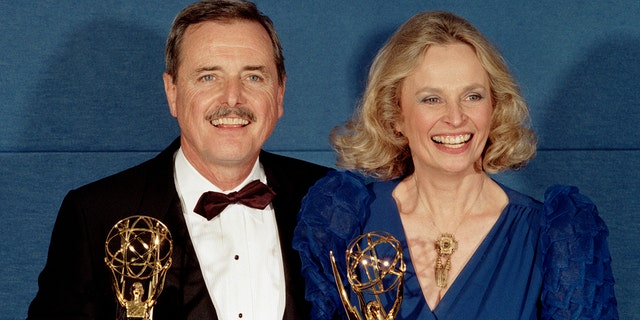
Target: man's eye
(254, 78)
(208, 77)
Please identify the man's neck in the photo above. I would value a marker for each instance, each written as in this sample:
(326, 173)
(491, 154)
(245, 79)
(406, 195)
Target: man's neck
(225, 176)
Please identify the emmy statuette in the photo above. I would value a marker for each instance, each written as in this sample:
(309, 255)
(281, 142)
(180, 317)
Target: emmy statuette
(138, 252)
(366, 260)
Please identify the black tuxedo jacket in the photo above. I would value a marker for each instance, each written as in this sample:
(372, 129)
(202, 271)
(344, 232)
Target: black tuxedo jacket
(76, 283)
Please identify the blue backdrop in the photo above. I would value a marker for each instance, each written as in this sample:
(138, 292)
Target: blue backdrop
(82, 97)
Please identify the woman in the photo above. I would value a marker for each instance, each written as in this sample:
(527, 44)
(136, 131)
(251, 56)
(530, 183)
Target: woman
(439, 113)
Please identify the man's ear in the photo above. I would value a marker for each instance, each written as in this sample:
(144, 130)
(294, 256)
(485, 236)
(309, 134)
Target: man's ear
(170, 92)
(280, 98)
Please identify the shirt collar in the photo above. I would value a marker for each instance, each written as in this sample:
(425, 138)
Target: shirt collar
(191, 184)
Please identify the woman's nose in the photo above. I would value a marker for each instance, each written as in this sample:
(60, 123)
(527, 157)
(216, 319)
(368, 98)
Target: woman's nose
(455, 116)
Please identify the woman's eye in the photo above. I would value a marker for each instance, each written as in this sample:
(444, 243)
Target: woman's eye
(430, 100)
(475, 97)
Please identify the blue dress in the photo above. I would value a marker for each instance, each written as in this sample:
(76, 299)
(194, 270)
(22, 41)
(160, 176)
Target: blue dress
(539, 261)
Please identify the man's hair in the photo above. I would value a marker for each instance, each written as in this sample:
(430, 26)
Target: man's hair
(223, 11)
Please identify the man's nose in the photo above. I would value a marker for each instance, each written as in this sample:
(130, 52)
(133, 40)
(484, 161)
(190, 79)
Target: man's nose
(233, 92)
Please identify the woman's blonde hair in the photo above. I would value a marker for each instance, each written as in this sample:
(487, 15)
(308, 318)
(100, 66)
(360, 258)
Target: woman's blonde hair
(369, 142)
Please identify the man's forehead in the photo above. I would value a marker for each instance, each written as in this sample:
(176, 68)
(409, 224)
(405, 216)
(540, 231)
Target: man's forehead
(240, 39)
(229, 30)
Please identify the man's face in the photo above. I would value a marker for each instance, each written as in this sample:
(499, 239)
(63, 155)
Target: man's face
(226, 95)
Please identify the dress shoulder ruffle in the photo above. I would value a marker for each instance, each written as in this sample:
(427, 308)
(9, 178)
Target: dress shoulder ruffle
(331, 215)
(578, 280)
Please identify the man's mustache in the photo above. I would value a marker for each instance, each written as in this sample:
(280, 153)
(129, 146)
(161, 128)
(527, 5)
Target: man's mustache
(225, 111)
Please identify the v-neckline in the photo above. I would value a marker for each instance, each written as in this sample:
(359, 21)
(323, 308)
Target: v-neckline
(458, 283)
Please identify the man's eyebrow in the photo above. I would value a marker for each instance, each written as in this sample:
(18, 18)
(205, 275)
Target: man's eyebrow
(260, 68)
(208, 68)
(246, 68)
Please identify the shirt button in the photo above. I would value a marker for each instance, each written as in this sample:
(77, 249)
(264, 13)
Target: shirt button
(236, 257)
(239, 315)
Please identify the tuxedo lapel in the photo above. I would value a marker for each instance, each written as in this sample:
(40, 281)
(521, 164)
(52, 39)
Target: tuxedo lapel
(285, 219)
(185, 295)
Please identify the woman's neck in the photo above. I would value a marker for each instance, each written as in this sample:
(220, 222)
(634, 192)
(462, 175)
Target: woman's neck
(447, 200)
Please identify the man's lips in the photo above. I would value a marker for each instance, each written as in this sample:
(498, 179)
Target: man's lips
(230, 122)
(235, 117)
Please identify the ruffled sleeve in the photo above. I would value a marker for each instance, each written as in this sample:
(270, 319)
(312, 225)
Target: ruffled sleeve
(578, 281)
(332, 214)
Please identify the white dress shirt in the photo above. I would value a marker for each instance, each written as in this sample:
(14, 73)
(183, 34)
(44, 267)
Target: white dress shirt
(238, 251)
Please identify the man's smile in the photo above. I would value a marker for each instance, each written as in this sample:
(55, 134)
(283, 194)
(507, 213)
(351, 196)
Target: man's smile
(230, 122)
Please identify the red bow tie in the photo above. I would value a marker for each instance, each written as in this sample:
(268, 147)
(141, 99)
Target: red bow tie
(255, 195)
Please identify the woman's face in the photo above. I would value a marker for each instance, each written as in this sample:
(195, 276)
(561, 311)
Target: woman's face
(446, 109)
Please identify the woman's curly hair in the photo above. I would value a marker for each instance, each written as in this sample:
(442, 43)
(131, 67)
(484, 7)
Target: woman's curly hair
(369, 143)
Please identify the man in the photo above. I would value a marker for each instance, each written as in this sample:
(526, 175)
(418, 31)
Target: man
(225, 83)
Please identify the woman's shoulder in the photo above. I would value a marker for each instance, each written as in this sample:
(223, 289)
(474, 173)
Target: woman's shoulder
(337, 201)
(340, 178)
(517, 198)
(339, 186)
(563, 207)
(568, 210)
